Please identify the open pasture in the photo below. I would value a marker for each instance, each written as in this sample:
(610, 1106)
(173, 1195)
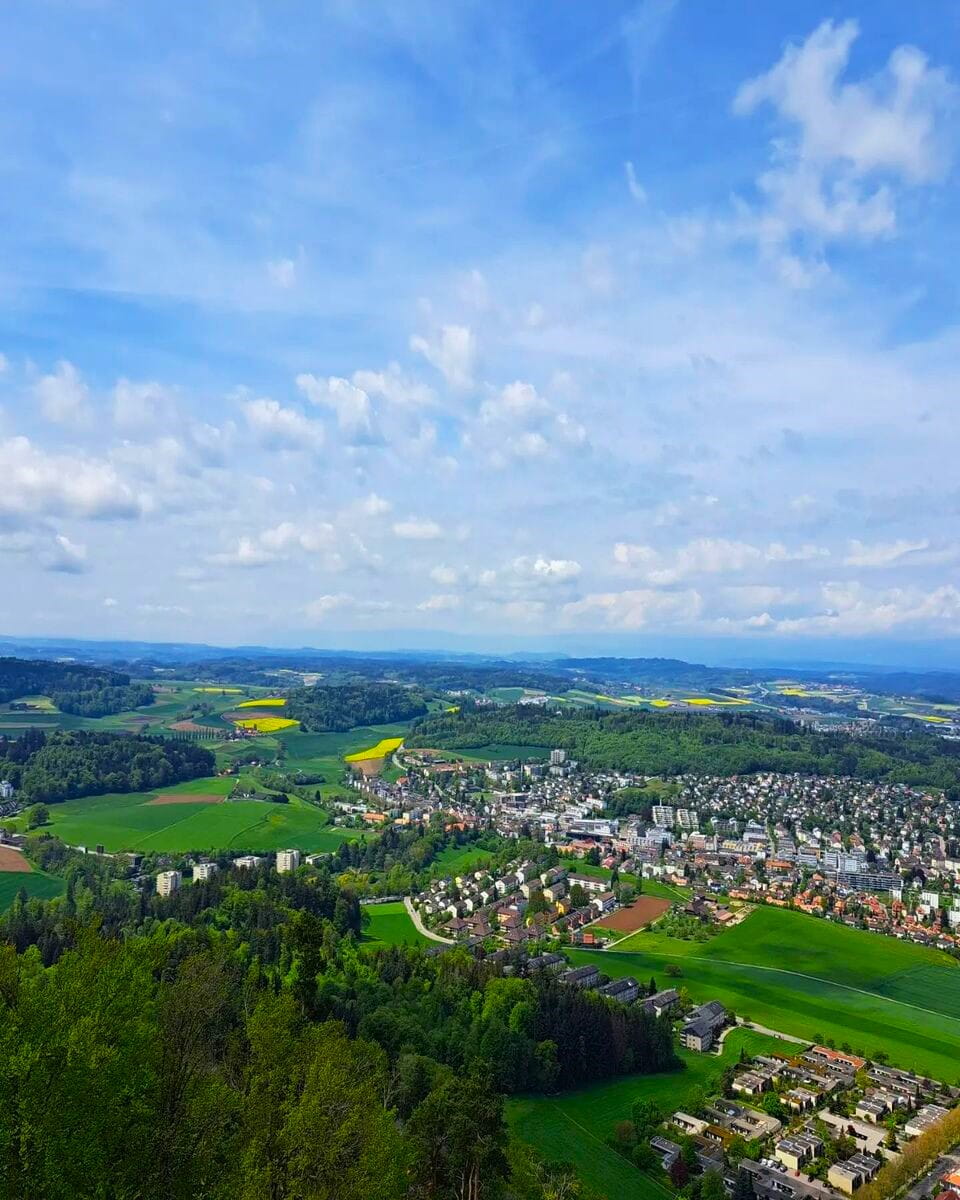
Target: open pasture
(573, 1126)
(34, 883)
(390, 925)
(815, 980)
(202, 820)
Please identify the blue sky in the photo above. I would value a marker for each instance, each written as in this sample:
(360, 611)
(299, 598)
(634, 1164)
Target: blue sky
(609, 325)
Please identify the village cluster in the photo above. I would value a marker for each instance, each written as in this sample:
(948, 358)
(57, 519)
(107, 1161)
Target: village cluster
(810, 1126)
(879, 856)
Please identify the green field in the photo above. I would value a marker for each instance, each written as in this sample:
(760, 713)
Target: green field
(813, 979)
(455, 860)
(323, 753)
(34, 884)
(501, 753)
(390, 925)
(572, 1127)
(130, 822)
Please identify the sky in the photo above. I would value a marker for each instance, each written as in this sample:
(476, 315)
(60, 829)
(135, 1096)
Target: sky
(618, 326)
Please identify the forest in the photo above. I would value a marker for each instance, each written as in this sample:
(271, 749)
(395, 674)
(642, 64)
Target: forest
(63, 765)
(339, 707)
(716, 744)
(239, 1039)
(81, 691)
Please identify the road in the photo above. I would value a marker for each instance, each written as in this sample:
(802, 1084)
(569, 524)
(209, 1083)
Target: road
(421, 928)
(929, 1185)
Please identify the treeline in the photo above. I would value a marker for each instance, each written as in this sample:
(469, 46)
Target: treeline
(239, 1039)
(715, 744)
(81, 691)
(63, 765)
(340, 707)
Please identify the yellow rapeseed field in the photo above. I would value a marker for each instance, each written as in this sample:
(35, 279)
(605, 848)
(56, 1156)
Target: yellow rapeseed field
(265, 724)
(275, 702)
(384, 747)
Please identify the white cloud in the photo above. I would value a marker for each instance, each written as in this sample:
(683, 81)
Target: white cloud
(707, 556)
(139, 405)
(850, 142)
(517, 422)
(350, 403)
(63, 395)
(278, 428)
(65, 556)
(636, 189)
(851, 610)
(395, 387)
(443, 602)
(318, 610)
(635, 609)
(247, 553)
(445, 576)
(417, 529)
(882, 554)
(110, 602)
(453, 351)
(374, 506)
(36, 483)
(547, 570)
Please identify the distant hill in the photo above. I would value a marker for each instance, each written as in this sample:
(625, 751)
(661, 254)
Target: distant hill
(82, 691)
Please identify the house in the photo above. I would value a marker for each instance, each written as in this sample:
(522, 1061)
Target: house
(546, 962)
(924, 1119)
(750, 1083)
(662, 1002)
(871, 1108)
(688, 1124)
(853, 1173)
(581, 977)
(625, 990)
(669, 1151)
(799, 1100)
(801, 1148)
(605, 902)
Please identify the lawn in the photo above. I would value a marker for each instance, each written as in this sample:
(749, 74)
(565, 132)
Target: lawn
(573, 1127)
(814, 979)
(324, 753)
(390, 925)
(456, 860)
(34, 883)
(130, 822)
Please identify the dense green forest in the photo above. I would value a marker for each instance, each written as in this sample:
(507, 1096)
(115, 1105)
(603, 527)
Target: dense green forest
(63, 765)
(716, 744)
(341, 707)
(82, 691)
(239, 1039)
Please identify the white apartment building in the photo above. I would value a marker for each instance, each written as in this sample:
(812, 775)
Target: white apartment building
(663, 816)
(204, 870)
(287, 860)
(247, 862)
(168, 882)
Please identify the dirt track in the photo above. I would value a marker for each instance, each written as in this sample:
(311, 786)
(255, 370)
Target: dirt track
(641, 912)
(12, 860)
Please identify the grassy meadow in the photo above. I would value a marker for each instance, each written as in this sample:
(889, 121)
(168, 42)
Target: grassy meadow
(813, 979)
(34, 883)
(131, 822)
(390, 925)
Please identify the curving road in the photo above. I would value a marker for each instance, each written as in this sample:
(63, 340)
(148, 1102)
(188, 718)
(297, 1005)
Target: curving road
(421, 928)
